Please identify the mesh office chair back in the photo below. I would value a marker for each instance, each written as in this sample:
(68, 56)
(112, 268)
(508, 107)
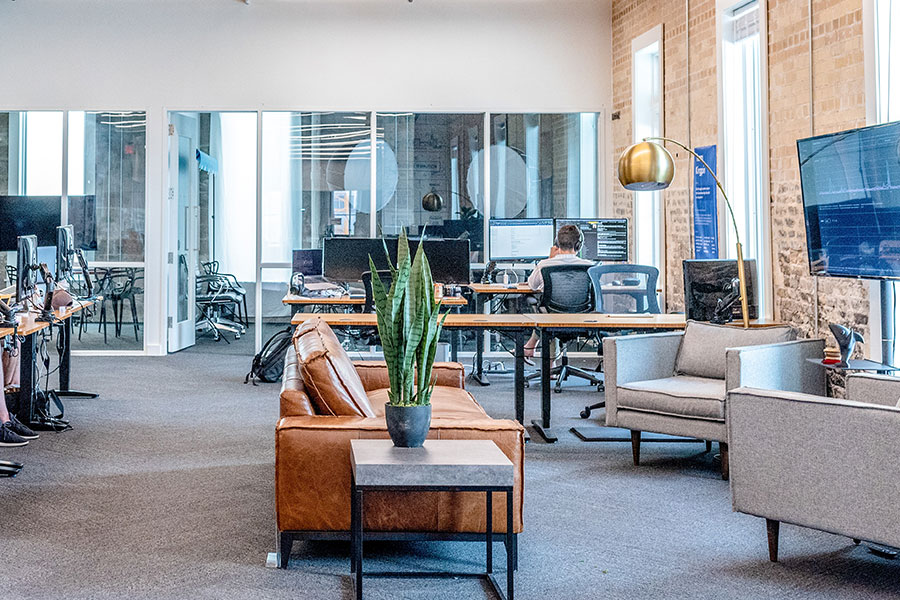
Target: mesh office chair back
(367, 284)
(625, 288)
(567, 289)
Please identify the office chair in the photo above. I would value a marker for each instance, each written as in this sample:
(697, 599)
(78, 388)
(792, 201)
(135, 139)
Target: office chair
(385, 276)
(622, 288)
(567, 289)
(12, 274)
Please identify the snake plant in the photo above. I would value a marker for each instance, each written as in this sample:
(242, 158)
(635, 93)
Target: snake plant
(409, 324)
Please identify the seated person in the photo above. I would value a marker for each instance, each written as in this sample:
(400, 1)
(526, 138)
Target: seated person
(564, 252)
(12, 431)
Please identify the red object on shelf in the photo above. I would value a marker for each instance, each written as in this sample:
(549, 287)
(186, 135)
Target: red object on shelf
(830, 361)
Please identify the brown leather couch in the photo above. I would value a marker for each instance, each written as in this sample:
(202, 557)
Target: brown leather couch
(327, 400)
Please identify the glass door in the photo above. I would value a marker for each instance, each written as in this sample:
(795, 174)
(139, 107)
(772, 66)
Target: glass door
(183, 255)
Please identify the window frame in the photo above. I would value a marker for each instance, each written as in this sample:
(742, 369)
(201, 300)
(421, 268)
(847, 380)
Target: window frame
(765, 260)
(638, 44)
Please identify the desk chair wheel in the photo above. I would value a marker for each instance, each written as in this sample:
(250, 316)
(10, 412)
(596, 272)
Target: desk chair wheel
(585, 414)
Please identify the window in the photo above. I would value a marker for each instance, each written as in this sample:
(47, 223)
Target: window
(544, 165)
(743, 154)
(423, 154)
(107, 183)
(647, 103)
(887, 59)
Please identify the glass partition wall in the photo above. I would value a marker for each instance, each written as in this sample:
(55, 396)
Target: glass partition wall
(89, 167)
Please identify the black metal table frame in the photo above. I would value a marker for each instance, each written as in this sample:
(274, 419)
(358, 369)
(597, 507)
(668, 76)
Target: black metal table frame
(478, 370)
(357, 537)
(542, 426)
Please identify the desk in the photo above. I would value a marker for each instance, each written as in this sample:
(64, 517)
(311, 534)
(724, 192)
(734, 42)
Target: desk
(8, 293)
(296, 302)
(514, 324)
(27, 363)
(518, 325)
(482, 291)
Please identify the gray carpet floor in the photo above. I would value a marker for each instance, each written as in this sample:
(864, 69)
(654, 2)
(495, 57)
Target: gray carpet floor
(164, 489)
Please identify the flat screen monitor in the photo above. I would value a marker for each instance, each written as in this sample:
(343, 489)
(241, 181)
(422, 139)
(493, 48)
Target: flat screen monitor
(65, 252)
(449, 259)
(346, 259)
(851, 201)
(521, 239)
(604, 239)
(29, 215)
(705, 281)
(26, 267)
(308, 262)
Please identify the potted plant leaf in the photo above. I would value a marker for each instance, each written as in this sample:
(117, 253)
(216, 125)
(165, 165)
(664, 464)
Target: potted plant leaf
(409, 325)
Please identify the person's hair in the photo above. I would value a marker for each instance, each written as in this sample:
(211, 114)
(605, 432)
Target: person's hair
(568, 238)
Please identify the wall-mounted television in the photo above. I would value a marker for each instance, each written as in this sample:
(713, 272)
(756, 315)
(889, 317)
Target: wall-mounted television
(850, 183)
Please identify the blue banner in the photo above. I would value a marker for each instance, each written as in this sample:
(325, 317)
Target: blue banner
(706, 222)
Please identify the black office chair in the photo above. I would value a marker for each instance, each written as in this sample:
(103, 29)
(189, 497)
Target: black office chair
(622, 288)
(385, 276)
(567, 289)
(12, 274)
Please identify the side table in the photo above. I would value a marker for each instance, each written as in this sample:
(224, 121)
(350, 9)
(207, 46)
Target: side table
(439, 466)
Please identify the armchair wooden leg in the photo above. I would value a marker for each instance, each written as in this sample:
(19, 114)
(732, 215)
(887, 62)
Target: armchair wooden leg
(636, 447)
(723, 450)
(772, 528)
(708, 446)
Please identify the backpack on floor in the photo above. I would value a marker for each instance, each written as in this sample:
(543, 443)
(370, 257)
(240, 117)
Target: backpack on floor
(268, 365)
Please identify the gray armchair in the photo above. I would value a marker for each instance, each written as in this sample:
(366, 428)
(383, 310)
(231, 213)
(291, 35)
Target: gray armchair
(817, 462)
(676, 383)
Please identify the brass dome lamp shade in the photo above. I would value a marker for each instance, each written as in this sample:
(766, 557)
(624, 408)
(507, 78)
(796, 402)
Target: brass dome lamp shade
(648, 167)
(432, 202)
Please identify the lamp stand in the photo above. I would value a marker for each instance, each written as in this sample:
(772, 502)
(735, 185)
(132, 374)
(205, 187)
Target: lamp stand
(745, 312)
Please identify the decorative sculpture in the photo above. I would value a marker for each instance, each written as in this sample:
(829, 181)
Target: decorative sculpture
(846, 339)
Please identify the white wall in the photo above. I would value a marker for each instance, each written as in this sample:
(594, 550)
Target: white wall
(502, 55)
(160, 55)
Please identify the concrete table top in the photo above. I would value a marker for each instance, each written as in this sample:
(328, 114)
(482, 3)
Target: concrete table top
(474, 463)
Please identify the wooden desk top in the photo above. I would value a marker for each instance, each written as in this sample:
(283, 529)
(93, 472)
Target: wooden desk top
(499, 288)
(8, 293)
(453, 320)
(35, 326)
(529, 320)
(353, 301)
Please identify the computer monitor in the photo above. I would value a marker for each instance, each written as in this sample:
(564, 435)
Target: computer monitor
(449, 259)
(346, 258)
(604, 239)
(85, 273)
(520, 239)
(308, 262)
(37, 216)
(705, 281)
(26, 268)
(65, 252)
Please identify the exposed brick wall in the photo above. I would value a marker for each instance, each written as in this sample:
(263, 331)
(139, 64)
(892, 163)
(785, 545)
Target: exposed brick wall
(838, 103)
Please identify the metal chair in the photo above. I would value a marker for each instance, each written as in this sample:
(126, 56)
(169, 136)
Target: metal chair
(567, 289)
(622, 288)
(12, 274)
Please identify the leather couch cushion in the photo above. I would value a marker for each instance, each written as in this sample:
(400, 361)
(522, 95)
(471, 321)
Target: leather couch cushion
(702, 350)
(446, 403)
(679, 396)
(329, 377)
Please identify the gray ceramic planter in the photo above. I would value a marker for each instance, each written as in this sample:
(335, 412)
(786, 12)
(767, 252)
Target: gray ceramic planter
(408, 425)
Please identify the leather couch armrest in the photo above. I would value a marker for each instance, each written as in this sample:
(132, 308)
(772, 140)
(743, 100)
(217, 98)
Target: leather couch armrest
(374, 376)
(294, 399)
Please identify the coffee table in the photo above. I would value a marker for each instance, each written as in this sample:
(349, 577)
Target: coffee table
(439, 466)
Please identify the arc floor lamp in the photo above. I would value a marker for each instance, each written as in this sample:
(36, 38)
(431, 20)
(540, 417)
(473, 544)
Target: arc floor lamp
(648, 167)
